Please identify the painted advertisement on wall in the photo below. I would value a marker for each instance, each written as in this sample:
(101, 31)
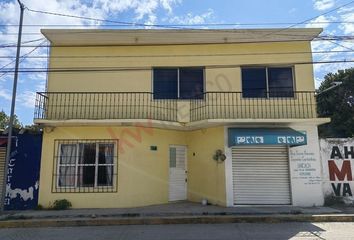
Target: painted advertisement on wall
(22, 182)
(337, 156)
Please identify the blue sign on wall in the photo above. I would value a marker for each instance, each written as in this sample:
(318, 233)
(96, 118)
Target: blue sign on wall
(23, 172)
(266, 136)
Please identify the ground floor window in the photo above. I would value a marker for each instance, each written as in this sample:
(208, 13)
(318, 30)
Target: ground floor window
(85, 166)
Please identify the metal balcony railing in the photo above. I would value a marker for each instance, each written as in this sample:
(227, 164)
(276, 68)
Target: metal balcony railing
(103, 105)
(232, 105)
(142, 105)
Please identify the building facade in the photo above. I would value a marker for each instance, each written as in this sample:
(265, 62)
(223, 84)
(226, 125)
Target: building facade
(140, 117)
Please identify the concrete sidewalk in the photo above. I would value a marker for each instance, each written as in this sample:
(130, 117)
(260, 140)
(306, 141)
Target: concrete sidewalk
(173, 213)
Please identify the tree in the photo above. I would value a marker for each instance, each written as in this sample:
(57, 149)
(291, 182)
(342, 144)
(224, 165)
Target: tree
(337, 104)
(5, 119)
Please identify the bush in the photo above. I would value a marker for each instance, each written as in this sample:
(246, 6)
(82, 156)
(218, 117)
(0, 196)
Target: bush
(39, 207)
(61, 204)
(331, 200)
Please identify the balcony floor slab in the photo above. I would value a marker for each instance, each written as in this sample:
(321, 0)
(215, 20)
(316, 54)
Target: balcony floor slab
(179, 125)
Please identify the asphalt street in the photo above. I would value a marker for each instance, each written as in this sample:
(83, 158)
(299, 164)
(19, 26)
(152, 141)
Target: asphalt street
(294, 230)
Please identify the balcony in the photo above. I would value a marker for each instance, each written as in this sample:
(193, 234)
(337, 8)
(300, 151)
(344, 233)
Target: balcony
(103, 105)
(232, 105)
(142, 105)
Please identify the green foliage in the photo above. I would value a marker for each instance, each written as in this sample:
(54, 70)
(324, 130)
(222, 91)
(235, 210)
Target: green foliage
(331, 200)
(33, 128)
(39, 207)
(61, 204)
(336, 104)
(5, 119)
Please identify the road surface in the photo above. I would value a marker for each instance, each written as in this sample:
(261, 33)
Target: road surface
(303, 231)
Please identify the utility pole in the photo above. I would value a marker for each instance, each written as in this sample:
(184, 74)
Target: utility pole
(12, 113)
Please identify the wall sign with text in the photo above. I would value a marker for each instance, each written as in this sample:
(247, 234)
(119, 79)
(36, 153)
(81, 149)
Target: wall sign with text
(266, 136)
(338, 164)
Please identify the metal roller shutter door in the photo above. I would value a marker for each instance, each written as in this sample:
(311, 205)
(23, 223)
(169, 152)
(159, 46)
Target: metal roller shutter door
(261, 175)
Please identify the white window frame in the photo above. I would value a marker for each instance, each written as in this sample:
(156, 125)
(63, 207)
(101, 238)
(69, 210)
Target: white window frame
(77, 165)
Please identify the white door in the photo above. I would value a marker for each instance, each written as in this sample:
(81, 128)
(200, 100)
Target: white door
(261, 175)
(178, 173)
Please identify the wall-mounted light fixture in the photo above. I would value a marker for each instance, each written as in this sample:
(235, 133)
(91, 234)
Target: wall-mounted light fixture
(219, 156)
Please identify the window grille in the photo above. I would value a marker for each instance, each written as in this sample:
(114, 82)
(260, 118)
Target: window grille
(85, 166)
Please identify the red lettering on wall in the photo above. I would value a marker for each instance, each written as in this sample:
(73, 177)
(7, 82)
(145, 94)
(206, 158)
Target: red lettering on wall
(346, 171)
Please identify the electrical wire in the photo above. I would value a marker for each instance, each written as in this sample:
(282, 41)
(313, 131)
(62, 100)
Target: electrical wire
(341, 45)
(117, 69)
(178, 27)
(185, 55)
(22, 58)
(99, 20)
(165, 25)
(118, 45)
(312, 18)
(24, 42)
(175, 25)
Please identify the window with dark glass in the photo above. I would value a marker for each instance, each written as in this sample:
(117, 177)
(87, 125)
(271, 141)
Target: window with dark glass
(85, 163)
(254, 82)
(262, 82)
(165, 83)
(280, 82)
(178, 83)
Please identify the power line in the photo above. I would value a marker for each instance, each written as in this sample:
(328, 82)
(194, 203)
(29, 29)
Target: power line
(312, 18)
(165, 25)
(203, 32)
(100, 20)
(341, 45)
(169, 26)
(319, 38)
(116, 69)
(24, 42)
(177, 25)
(22, 58)
(187, 55)
(336, 37)
(118, 45)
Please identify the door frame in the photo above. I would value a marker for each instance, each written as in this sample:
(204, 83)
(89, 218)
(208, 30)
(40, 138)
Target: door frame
(185, 169)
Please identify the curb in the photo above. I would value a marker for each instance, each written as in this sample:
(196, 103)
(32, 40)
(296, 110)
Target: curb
(76, 222)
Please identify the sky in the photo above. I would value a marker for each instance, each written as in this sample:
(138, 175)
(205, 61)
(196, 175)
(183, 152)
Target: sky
(284, 13)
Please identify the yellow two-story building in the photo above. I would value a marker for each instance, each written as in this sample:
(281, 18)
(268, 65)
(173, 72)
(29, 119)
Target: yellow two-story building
(141, 117)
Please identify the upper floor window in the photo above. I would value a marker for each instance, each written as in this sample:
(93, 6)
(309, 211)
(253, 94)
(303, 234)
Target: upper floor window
(263, 82)
(178, 83)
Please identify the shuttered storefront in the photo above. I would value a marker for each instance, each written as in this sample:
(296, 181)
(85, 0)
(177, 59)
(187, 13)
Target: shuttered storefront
(2, 167)
(261, 175)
